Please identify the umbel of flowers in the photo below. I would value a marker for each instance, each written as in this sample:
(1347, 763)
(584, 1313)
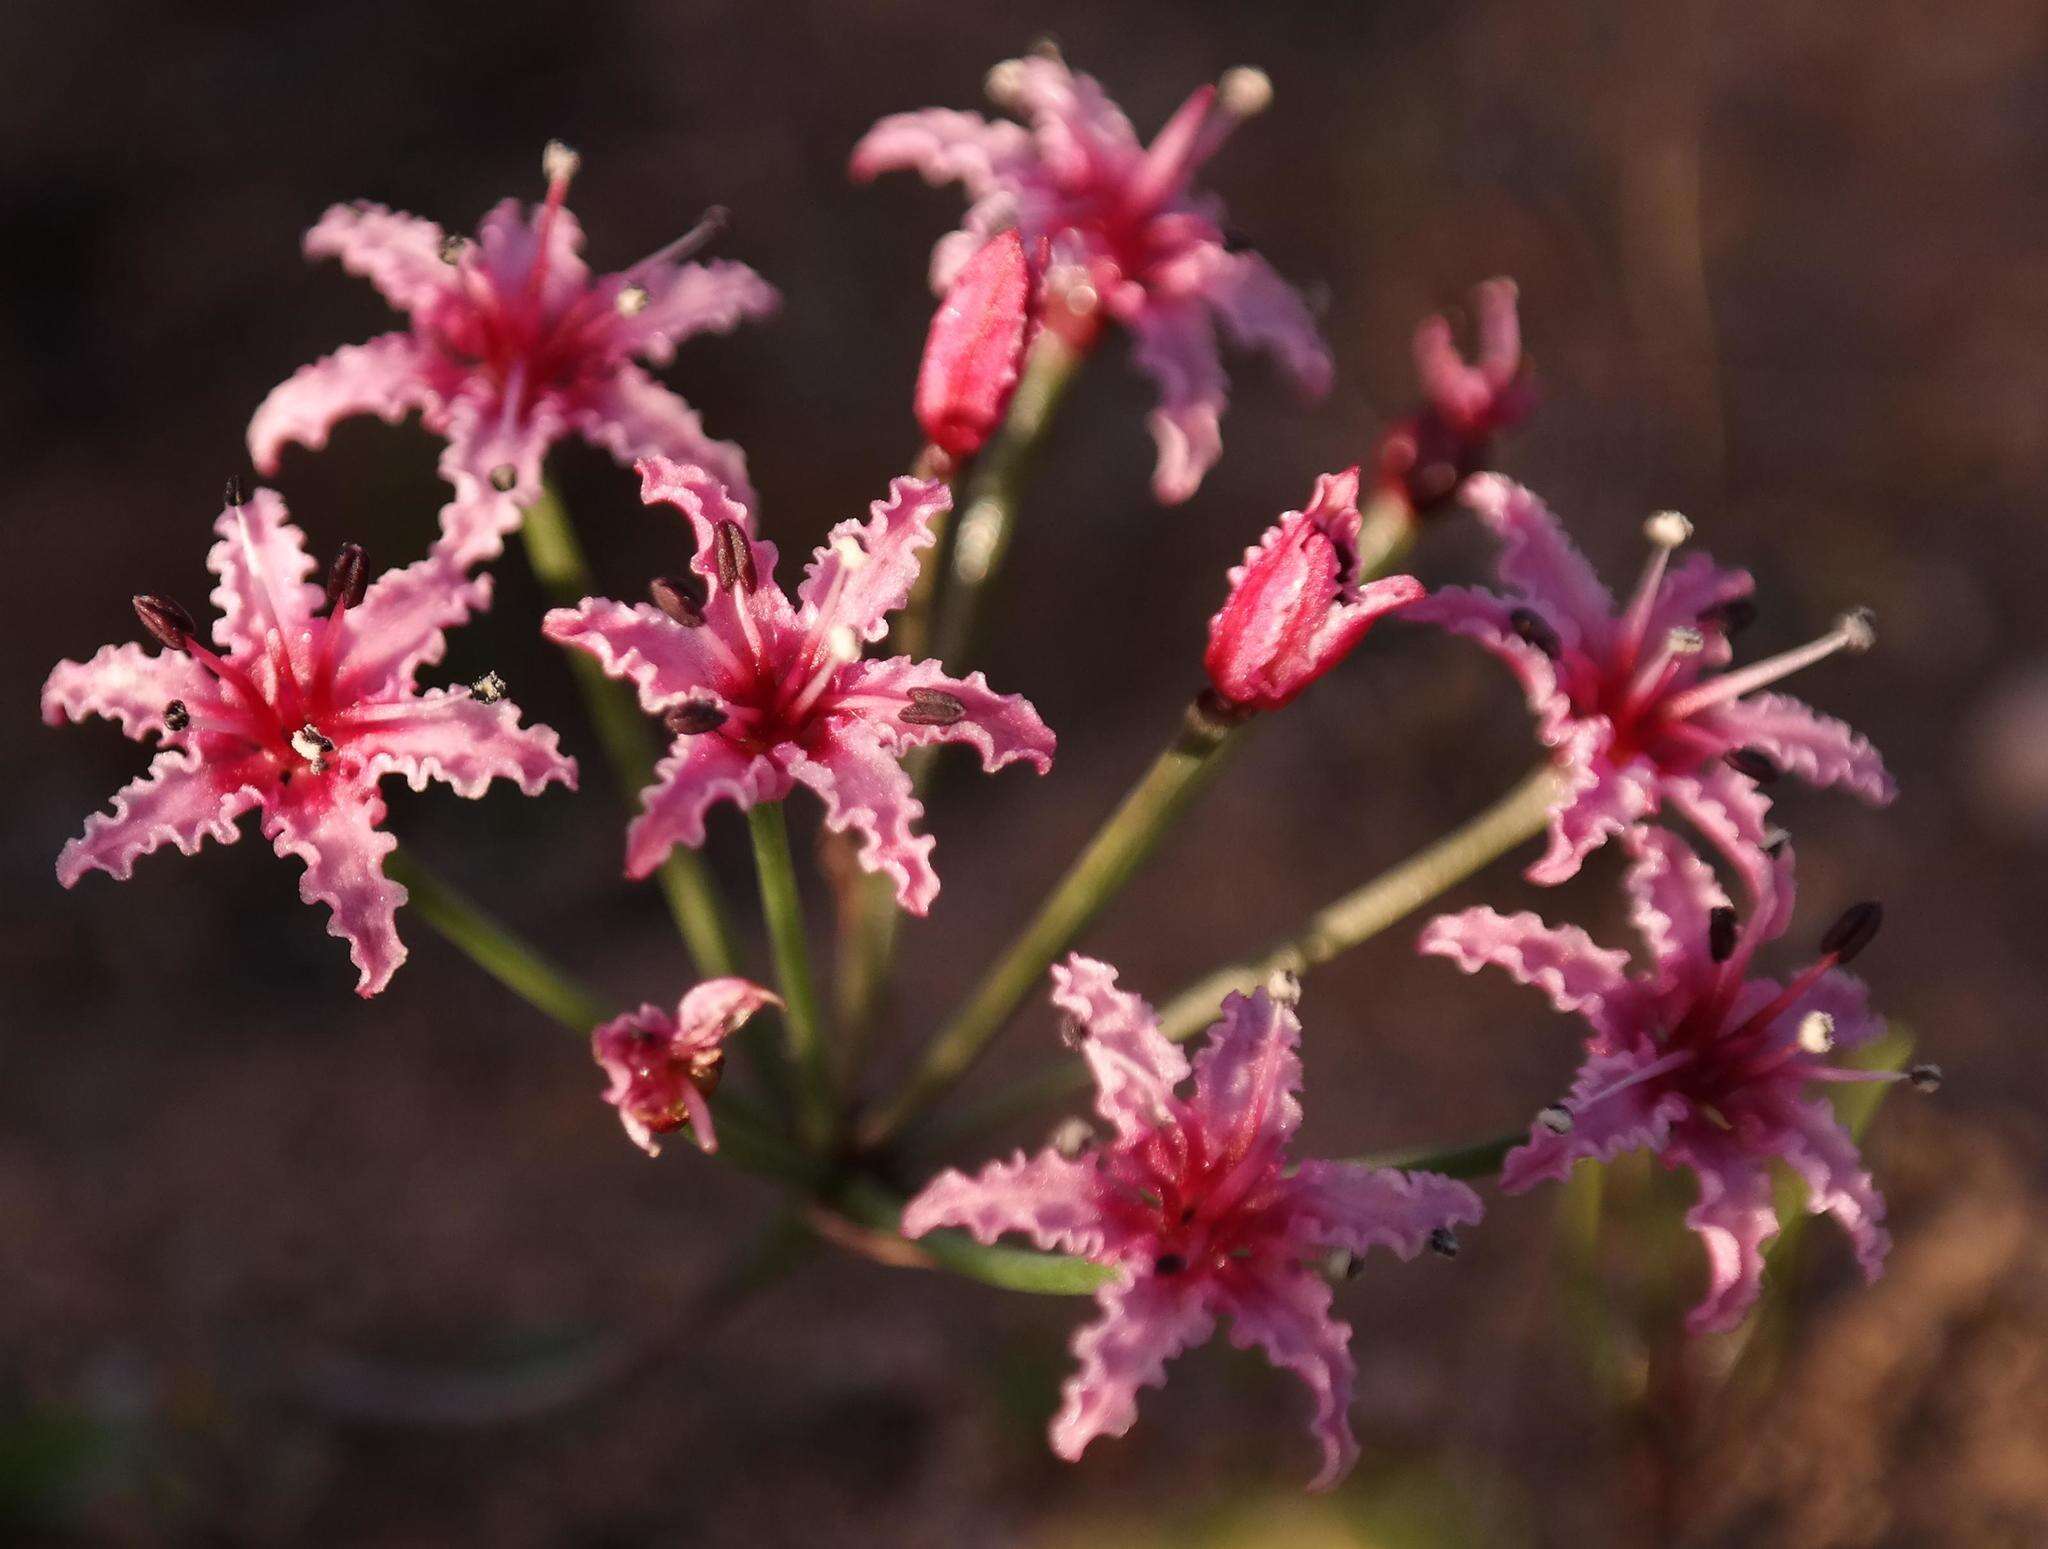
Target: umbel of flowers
(1179, 1206)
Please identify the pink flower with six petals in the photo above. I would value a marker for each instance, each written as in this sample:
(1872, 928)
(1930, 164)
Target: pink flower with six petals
(763, 695)
(1296, 608)
(1194, 1204)
(512, 344)
(664, 1068)
(1629, 699)
(1696, 1060)
(299, 715)
(1128, 238)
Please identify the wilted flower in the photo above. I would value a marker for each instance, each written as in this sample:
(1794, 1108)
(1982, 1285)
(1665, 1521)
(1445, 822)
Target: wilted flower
(298, 715)
(1630, 699)
(1128, 238)
(1430, 453)
(1696, 1060)
(1196, 1206)
(1296, 606)
(513, 344)
(664, 1067)
(763, 695)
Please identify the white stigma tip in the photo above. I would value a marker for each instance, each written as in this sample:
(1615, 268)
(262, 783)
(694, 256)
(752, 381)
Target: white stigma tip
(843, 643)
(1284, 988)
(1686, 641)
(1005, 83)
(1070, 1137)
(1858, 629)
(1816, 1032)
(632, 301)
(1245, 92)
(558, 163)
(1667, 529)
(1556, 1118)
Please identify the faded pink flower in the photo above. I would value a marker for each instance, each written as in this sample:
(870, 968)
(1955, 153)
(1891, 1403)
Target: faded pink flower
(1194, 1203)
(1631, 700)
(1698, 1061)
(763, 695)
(664, 1067)
(975, 348)
(1296, 607)
(299, 715)
(512, 344)
(1465, 405)
(1129, 239)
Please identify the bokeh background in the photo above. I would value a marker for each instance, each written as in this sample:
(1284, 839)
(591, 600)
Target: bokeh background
(283, 1266)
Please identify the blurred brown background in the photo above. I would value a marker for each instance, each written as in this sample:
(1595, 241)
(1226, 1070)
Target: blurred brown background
(282, 1266)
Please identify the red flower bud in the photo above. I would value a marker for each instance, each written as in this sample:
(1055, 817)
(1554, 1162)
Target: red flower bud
(1296, 607)
(976, 344)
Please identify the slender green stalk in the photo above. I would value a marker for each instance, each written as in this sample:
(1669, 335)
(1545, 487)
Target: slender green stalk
(1336, 928)
(1480, 1159)
(783, 910)
(745, 1136)
(1112, 857)
(625, 735)
(1013, 1269)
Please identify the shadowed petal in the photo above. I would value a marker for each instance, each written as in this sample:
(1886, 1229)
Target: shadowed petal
(1800, 740)
(1691, 588)
(1288, 1317)
(1002, 728)
(1144, 1324)
(698, 773)
(863, 572)
(1605, 1122)
(666, 661)
(1048, 1197)
(1247, 1074)
(336, 832)
(1175, 344)
(1734, 1218)
(1672, 898)
(387, 377)
(632, 416)
(1562, 961)
(1604, 799)
(866, 790)
(127, 683)
(1537, 557)
(1824, 1155)
(1358, 1208)
(688, 299)
(1136, 1067)
(399, 254)
(178, 801)
(1262, 311)
(466, 743)
(400, 625)
(1480, 615)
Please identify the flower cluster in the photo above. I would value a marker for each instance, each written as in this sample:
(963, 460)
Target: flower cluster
(1180, 1207)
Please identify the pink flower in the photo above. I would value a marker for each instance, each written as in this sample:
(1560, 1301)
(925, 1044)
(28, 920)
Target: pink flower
(1296, 607)
(1429, 454)
(511, 345)
(1696, 1060)
(1129, 239)
(1632, 701)
(763, 695)
(300, 716)
(1195, 1205)
(664, 1068)
(974, 349)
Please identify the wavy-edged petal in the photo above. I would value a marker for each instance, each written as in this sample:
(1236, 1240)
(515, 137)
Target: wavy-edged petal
(1145, 1323)
(262, 564)
(942, 145)
(1002, 728)
(1818, 748)
(1672, 898)
(1247, 1074)
(1288, 1317)
(399, 254)
(866, 790)
(1816, 1147)
(707, 505)
(1135, 1065)
(1263, 312)
(465, 743)
(401, 625)
(1579, 976)
(387, 376)
(684, 300)
(1608, 1118)
(1052, 1199)
(1358, 1208)
(1734, 1218)
(1538, 558)
(698, 773)
(511, 240)
(665, 661)
(178, 801)
(863, 572)
(128, 683)
(1734, 815)
(1480, 615)
(493, 459)
(1602, 799)
(336, 830)
(632, 416)
(1175, 345)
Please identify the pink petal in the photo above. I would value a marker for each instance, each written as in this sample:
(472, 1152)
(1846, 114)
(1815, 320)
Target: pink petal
(632, 416)
(944, 146)
(334, 829)
(706, 504)
(1846, 1001)
(684, 300)
(399, 254)
(1136, 1067)
(465, 744)
(1479, 615)
(1734, 815)
(1537, 558)
(400, 626)
(1175, 344)
(1604, 1123)
(488, 445)
(1692, 587)
(262, 563)
(1462, 393)
(1079, 133)
(387, 377)
(1604, 799)
(1002, 728)
(179, 801)
(1817, 748)
(1672, 897)
(510, 242)
(863, 572)
(711, 1012)
(666, 661)
(1824, 1155)
(1144, 1324)
(126, 683)
(1358, 1208)
(1287, 1315)
(1049, 1198)
(866, 790)
(1579, 977)
(1247, 1074)
(1734, 1219)
(698, 773)
(1263, 312)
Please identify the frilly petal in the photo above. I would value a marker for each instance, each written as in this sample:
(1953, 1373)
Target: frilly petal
(335, 830)
(1247, 1075)
(178, 801)
(465, 743)
(401, 625)
(489, 447)
(387, 377)
(1002, 728)
(1605, 1123)
(706, 503)
(1263, 312)
(632, 416)
(1824, 1155)
(1602, 799)
(262, 564)
(1175, 345)
(665, 661)
(698, 773)
(1538, 559)
(1580, 977)
(943, 146)
(1288, 1317)
(1052, 1199)
(866, 790)
(1358, 1208)
(1734, 1218)
(1672, 897)
(1136, 1067)
(1800, 740)
(127, 683)
(510, 241)
(1480, 615)
(863, 572)
(684, 300)
(1145, 1323)
(399, 254)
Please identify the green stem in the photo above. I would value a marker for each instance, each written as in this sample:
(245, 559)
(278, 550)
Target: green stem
(1480, 1159)
(1348, 922)
(625, 735)
(1112, 857)
(782, 909)
(1013, 1269)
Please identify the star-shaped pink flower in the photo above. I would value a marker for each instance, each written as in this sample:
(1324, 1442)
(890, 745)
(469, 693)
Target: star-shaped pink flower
(763, 694)
(1633, 701)
(1193, 1201)
(1129, 239)
(512, 344)
(1695, 1059)
(298, 714)
(664, 1067)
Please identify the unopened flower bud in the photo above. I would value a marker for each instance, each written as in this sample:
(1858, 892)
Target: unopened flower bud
(171, 624)
(975, 348)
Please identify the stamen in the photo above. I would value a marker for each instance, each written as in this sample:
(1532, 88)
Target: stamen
(1666, 530)
(632, 301)
(348, 577)
(176, 716)
(1533, 629)
(1005, 84)
(1444, 1241)
(558, 164)
(171, 624)
(490, 688)
(1754, 762)
(236, 496)
(1816, 1032)
(504, 478)
(1071, 1136)
(694, 717)
(1244, 92)
(310, 745)
(1855, 930)
(711, 225)
(1775, 840)
(1342, 1264)
(1858, 629)
(1854, 631)
(1557, 1118)
(851, 553)
(931, 707)
(735, 557)
(1283, 988)
(1925, 1078)
(843, 645)
(673, 595)
(1169, 1264)
(1721, 933)
(452, 249)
